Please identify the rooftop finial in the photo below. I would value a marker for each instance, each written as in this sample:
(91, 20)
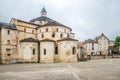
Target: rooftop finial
(43, 12)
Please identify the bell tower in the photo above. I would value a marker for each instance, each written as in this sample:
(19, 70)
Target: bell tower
(43, 12)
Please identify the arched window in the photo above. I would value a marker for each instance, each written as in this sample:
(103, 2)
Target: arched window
(68, 35)
(56, 50)
(74, 50)
(42, 36)
(44, 51)
(46, 29)
(33, 51)
(61, 35)
(53, 35)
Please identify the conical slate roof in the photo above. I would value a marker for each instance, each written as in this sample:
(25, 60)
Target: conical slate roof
(43, 10)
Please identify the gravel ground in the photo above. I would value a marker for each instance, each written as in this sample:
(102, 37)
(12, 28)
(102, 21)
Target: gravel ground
(103, 69)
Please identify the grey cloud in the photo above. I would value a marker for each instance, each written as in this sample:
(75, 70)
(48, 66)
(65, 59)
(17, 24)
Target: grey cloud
(87, 18)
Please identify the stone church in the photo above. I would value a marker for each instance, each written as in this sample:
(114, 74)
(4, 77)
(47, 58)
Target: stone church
(40, 40)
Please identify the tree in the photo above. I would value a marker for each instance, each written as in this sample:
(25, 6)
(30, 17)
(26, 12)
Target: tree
(117, 42)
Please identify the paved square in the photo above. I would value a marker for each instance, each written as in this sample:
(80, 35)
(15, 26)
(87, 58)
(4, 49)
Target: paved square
(104, 69)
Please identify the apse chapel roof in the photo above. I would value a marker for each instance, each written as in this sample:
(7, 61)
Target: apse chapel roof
(30, 39)
(50, 21)
(67, 39)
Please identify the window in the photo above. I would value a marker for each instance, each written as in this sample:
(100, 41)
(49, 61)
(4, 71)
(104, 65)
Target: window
(8, 54)
(61, 35)
(65, 30)
(46, 29)
(8, 32)
(32, 31)
(73, 50)
(8, 41)
(56, 50)
(92, 48)
(67, 35)
(100, 53)
(91, 53)
(44, 51)
(42, 36)
(33, 51)
(57, 29)
(8, 50)
(53, 35)
(92, 44)
(24, 29)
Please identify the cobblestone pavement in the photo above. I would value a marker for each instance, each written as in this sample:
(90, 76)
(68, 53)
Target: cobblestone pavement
(104, 69)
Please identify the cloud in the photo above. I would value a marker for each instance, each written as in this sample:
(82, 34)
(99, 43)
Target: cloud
(87, 18)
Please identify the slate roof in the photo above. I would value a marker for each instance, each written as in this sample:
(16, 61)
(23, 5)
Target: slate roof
(49, 40)
(90, 41)
(41, 18)
(67, 39)
(54, 23)
(7, 25)
(98, 37)
(29, 40)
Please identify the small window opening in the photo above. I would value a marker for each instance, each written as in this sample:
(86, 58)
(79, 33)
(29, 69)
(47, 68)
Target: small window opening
(33, 51)
(73, 50)
(53, 35)
(61, 35)
(8, 32)
(56, 50)
(44, 51)
(46, 29)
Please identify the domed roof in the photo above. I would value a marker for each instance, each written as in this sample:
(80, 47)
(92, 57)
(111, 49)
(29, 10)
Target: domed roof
(41, 18)
(50, 22)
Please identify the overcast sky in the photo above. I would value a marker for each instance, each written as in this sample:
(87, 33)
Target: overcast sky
(87, 18)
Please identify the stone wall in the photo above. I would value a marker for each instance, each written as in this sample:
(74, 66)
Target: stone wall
(47, 50)
(9, 51)
(95, 57)
(29, 52)
(65, 51)
(53, 32)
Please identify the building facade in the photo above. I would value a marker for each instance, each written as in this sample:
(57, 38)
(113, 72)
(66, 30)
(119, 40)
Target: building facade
(97, 46)
(40, 40)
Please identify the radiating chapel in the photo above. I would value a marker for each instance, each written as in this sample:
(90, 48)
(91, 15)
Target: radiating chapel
(40, 40)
